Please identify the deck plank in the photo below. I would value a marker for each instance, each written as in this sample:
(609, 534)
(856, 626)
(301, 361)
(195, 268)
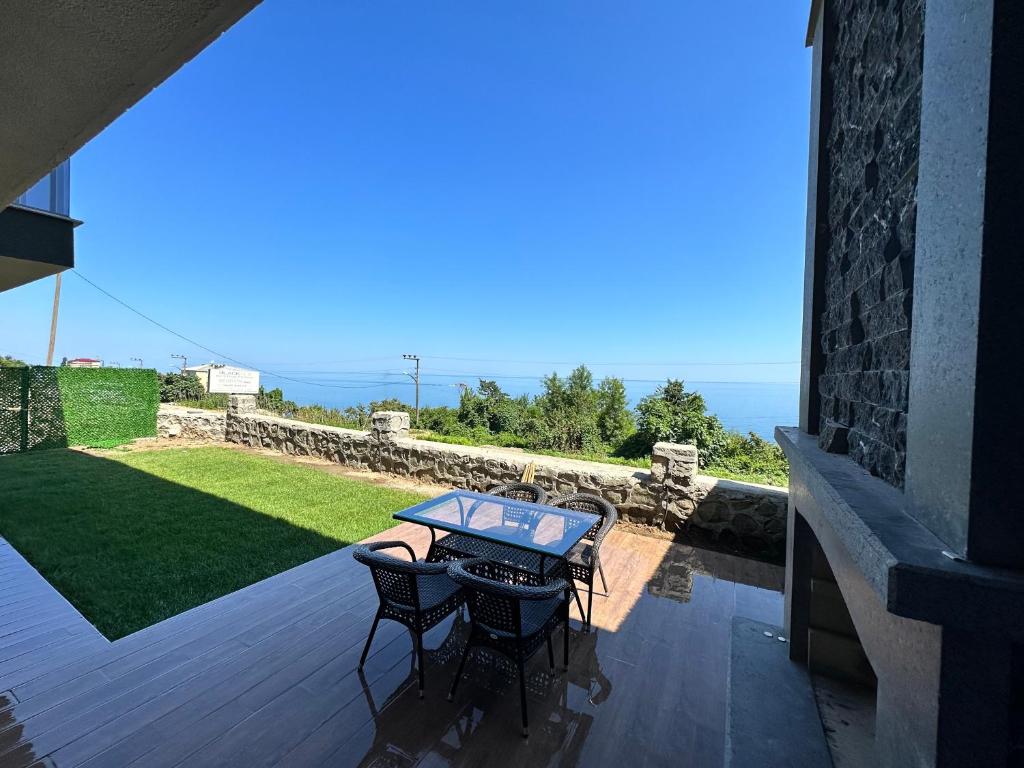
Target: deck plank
(267, 675)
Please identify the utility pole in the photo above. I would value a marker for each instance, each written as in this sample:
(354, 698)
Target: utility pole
(184, 361)
(415, 378)
(136, 360)
(53, 322)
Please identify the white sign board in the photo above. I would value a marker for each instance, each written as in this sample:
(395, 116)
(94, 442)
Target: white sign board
(234, 381)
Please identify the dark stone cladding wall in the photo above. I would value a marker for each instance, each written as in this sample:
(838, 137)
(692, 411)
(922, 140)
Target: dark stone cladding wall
(872, 150)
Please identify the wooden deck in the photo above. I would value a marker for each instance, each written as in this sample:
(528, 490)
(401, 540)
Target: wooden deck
(267, 675)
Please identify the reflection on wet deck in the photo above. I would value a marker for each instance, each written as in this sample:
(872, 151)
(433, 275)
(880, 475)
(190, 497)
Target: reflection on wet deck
(268, 676)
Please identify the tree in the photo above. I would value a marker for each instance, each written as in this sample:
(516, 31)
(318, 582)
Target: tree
(6, 361)
(614, 421)
(678, 416)
(175, 387)
(273, 400)
(569, 410)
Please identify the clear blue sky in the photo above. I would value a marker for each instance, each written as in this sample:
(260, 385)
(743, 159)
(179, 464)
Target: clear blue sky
(332, 183)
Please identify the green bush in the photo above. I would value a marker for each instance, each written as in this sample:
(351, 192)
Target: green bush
(176, 387)
(674, 415)
(574, 419)
(569, 412)
(751, 458)
(104, 407)
(6, 361)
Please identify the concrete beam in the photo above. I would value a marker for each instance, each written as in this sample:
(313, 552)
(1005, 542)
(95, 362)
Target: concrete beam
(68, 68)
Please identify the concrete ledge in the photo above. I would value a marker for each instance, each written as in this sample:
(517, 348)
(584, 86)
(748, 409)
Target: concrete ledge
(900, 558)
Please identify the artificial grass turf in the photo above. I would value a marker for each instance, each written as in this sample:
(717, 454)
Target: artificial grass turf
(133, 538)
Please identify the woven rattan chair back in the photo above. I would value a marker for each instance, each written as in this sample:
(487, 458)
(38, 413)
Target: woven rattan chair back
(520, 492)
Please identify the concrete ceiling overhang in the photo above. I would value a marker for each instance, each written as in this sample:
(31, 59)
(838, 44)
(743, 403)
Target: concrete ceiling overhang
(68, 68)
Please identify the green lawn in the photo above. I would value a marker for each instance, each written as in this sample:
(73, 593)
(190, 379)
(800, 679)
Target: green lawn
(132, 538)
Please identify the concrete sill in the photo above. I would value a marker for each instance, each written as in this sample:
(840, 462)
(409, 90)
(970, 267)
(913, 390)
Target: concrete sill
(898, 556)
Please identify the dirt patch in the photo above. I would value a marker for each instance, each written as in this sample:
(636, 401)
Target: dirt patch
(365, 475)
(151, 444)
(375, 478)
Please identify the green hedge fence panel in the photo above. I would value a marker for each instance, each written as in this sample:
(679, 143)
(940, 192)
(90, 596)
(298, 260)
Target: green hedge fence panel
(55, 407)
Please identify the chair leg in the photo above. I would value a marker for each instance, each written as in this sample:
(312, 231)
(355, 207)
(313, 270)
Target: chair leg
(551, 655)
(579, 603)
(458, 674)
(590, 599)
(604, 584)
(373, 629)
(565, 640)
(522, 697)
(419, 659)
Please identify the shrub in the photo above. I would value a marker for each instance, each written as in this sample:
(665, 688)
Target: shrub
(675, 415)
(175, 387)
(6, 361)
(752, 458)
(569, 412)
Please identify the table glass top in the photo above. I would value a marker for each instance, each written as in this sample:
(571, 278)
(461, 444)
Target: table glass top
(535, 527)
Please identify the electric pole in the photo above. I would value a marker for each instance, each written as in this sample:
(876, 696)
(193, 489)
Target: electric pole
(184, 361)
(136, 360)
(53, 322)
(415, 378)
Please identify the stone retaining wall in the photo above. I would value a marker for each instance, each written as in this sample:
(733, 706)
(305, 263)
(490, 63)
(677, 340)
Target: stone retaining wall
(670, 497)
(191, 423)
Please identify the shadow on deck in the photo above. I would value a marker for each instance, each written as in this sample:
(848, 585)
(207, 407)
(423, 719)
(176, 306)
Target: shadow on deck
(267, 675)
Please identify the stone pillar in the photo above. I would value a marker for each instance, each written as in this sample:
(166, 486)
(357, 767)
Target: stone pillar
(673, 472)
(387, 426)
(241, 405)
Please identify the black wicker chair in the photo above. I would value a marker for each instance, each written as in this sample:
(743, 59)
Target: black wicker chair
(520, 492)
(585, 558)
(457, 546)
(514, 620)
(414, 593)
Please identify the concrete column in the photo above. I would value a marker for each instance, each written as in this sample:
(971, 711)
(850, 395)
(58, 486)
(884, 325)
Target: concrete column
(816, 239)
(963, 449)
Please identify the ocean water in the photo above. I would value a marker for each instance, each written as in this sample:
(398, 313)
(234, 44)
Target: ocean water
(744, 406)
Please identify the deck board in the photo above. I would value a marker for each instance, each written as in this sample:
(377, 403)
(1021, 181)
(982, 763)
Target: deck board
(267, 675)
(39, 628)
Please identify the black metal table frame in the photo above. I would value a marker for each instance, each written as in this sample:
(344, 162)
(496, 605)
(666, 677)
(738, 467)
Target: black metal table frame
(431, 526)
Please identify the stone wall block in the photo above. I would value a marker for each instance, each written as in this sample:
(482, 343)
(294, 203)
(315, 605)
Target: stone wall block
(389, 425)
(239, 405)
(173, 421)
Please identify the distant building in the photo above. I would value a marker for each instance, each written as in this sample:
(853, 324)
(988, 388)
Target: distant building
(201, 372)
(85, 362)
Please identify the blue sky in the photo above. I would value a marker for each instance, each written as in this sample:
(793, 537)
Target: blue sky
(519, 185)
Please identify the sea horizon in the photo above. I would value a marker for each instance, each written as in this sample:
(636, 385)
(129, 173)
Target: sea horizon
(744, 406)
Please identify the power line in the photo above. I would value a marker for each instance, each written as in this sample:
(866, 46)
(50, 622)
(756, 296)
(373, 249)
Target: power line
(359, 384)
(213, 352)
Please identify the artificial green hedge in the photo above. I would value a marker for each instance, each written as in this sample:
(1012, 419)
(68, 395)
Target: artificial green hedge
(96, 407)
(108, 406)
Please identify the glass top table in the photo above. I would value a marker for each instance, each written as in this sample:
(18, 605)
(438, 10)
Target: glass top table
(532, 527)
